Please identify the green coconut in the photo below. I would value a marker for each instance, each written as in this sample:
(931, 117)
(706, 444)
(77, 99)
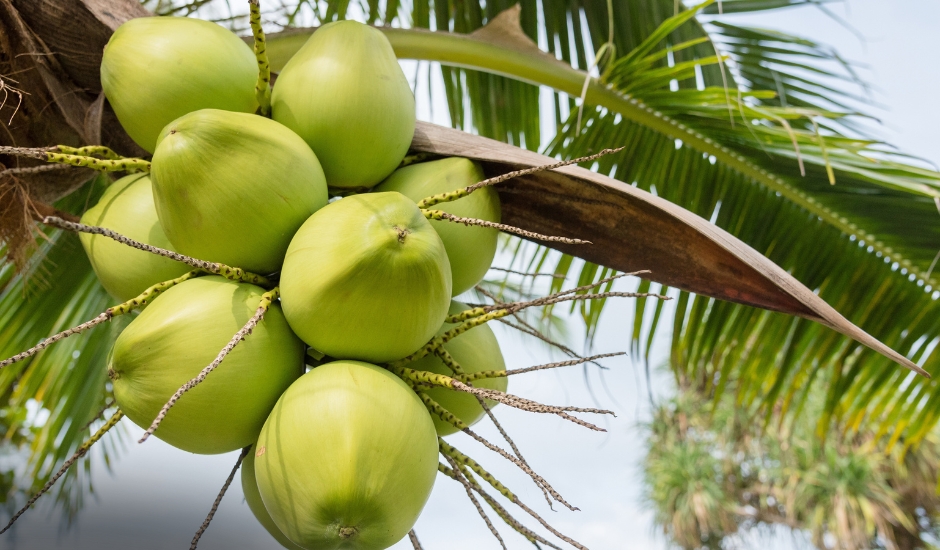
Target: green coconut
(366, 278)
(476, 351)
(157, 69)
(346, 95)
(234, 187)
(127, 207)
(256, 505)
(471, 249)
(178, 335)
(347, 458)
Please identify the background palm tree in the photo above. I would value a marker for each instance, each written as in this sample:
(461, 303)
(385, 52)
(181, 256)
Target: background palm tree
(748, 128)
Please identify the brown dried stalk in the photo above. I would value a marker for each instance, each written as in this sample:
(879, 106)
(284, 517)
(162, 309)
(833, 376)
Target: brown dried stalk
(466, 485)
(266, 299)
(444, 216)
(218, 499)
(115, 418)
(138, 302)
(233, 273)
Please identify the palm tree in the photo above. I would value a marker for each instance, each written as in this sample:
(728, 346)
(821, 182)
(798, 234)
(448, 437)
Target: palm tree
(720, 119)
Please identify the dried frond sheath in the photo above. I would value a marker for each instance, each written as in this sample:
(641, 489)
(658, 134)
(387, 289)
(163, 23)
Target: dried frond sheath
(218, 499)
(138, 302)
(458, 475)
(502, 373)
(115, 418)
(263, 87)
(460, 193)
(266, 300)
(441, 215)
(231, 273)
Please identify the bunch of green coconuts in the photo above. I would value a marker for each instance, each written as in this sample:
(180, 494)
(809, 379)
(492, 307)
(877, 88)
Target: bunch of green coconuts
(345, 455)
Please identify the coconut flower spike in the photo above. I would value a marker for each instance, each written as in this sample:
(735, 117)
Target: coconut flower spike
(263, 87)
(111, 163)
(133, 304)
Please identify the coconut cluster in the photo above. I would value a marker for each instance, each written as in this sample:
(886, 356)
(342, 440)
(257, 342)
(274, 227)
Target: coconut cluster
(343, 455)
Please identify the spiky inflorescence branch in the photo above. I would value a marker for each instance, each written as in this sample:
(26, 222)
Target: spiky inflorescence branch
(90, 151)
(529, 534)
(504, 373)
(459, 371)
(115, 418)
(140, 301)
(232, 273)
(514, 401)
(458, 475)
(52, 154)
(266, 300)
(466, 461)
(463, 192)
(441, 215)
(263, 86)
(218, 499)
(436, 409)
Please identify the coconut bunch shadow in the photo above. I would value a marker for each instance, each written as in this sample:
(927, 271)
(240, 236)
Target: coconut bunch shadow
(462, 468)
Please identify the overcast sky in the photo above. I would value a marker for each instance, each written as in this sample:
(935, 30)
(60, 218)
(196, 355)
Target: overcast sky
(156, 496)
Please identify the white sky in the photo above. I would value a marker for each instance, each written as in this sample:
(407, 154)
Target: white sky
(156, 496)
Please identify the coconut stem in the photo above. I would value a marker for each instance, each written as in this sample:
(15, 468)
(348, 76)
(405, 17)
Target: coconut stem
(504, 514)
(140, 301)
(440, 215)
(504, 373)
(266, 300)
(263, 86)
(49, 154)
(466, 485)
(115, 418)
(218, 499)
(415, 543)
(465, 191)
(231, 273)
